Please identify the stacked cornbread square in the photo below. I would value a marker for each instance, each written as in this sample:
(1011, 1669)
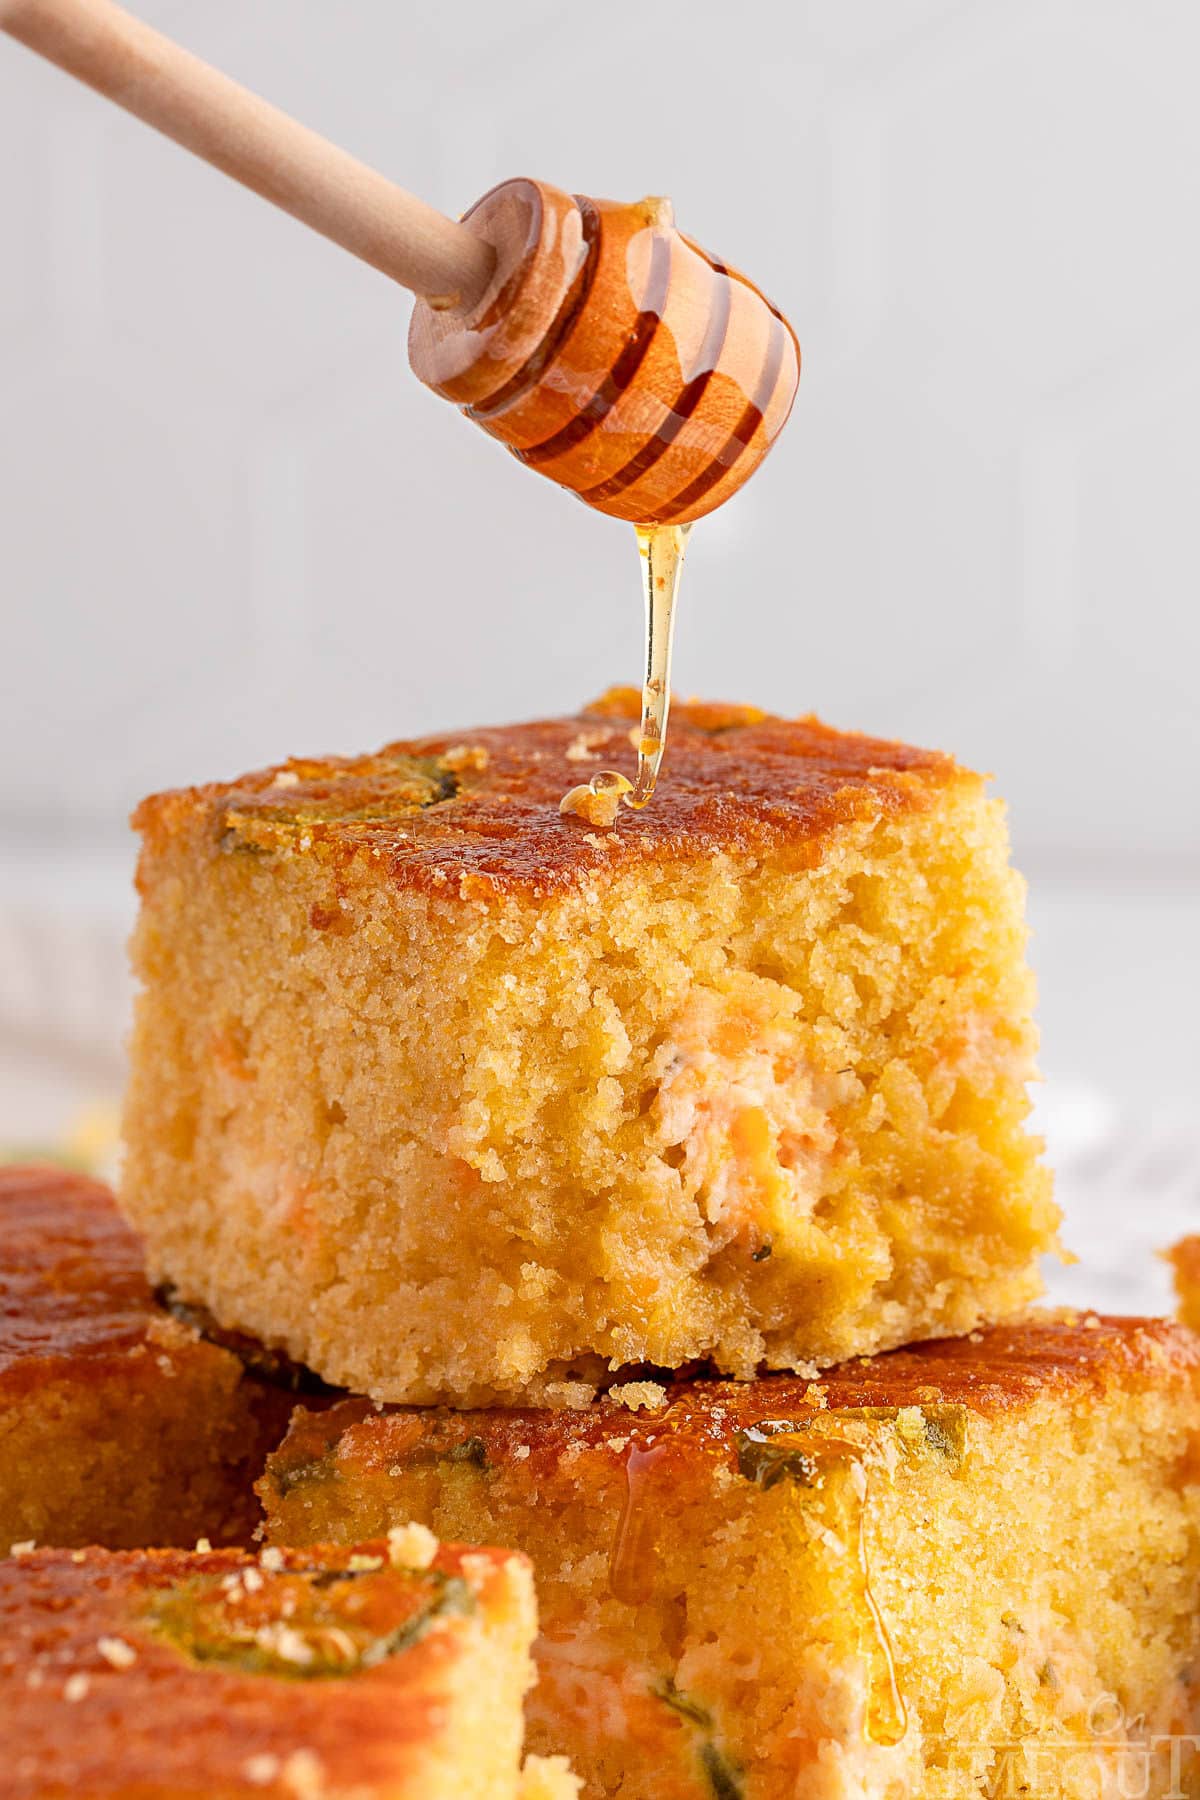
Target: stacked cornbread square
(663, 1197)
(119, 1424)
(968, 1567)
(457, 1100)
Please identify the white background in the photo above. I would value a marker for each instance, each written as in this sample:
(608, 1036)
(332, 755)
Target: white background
(233, 526)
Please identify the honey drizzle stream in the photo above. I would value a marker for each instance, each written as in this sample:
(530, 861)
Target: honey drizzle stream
(634, 1556)
(634, 1559)
(887, 1714)
(661, 549)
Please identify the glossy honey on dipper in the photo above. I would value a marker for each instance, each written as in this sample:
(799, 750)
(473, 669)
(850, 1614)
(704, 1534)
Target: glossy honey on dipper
(613, 355)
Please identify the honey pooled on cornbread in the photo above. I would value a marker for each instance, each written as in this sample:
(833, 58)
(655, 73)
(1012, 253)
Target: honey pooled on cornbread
(391, 1671)
(455, 1099)
(118, 1424)
(964, 1567)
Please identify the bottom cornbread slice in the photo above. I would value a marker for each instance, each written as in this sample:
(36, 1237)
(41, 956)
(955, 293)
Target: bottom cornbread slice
(396, 1669)
(960, 1568)
(119, 1424)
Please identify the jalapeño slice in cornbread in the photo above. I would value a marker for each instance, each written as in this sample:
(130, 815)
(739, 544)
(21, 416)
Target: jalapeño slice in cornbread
(118, 1424)
(392, 1671)
(456, 1099)
(967, 1567)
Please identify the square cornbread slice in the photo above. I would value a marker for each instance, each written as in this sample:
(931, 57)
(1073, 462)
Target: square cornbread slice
(966, 1567)
(390, 1672)
(118, 1424)
(458, 1099)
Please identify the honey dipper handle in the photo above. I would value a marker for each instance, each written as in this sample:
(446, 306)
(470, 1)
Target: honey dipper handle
(258, 145)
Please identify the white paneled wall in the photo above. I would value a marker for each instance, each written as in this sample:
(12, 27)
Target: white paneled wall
(232, 525)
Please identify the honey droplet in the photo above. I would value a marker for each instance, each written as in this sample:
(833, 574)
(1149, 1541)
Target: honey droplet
(633, 1561)
(609, 781)
(597, 801)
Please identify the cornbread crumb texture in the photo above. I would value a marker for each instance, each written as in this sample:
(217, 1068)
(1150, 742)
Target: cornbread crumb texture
(929, 1573)
(743, 1081)
(637, 1394)
(321, 1673)
(411, 1546)
(119, 1426)
(549, 1778)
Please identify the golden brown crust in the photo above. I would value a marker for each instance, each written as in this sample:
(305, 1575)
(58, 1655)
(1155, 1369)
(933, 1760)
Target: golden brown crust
(140, 1672)
(1002, 1369)
(1184, 1258)
(1010, 1366)
(483, 805)
(73, 1292)
(120, 1424)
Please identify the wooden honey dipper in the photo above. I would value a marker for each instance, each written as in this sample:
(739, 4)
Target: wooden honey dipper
(607, 351)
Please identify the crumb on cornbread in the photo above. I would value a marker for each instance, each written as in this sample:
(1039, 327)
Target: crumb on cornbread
(456, 1099)
(118, 1424)
(307, 1674)
(965, 1567)
(1184, 1258)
